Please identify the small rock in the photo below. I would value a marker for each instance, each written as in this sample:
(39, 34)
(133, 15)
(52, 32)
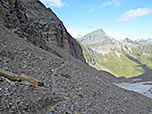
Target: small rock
(10, 104)
(1, 108)
(150, 90)
(9, 94)
(1, 80)
(6, 88)
(125, 98)
(123, 110)
(52, 69)
(65, 75)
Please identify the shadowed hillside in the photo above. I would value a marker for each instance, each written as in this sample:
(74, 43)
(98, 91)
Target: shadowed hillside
(32, 21)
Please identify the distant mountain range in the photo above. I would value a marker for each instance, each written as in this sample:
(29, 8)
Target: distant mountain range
(126, 58)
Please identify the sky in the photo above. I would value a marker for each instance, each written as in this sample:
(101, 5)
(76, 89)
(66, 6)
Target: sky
(118, 18)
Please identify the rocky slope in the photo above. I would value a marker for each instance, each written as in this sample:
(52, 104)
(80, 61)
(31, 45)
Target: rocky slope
(126, 58)
(32, 21)
(144, 77)
(70, 86)
(99, 41)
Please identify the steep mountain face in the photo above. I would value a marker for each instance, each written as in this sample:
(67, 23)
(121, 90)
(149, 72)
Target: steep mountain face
(97, 38)
(99, 42)
(70, 86)
(126, 58)
(31, 20)
(94, 37)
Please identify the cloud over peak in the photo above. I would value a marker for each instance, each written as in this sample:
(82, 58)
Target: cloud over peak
(111, 2)
(133, 14)
(56, 3)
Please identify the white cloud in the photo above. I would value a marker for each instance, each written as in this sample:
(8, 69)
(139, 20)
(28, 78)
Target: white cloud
(91, 10)
(111, 2)
(133, 14)
(56, 3)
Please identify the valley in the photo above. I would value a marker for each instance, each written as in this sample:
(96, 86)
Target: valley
(123, 59)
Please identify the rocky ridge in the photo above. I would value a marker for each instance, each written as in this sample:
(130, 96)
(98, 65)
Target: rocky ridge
(32, 21)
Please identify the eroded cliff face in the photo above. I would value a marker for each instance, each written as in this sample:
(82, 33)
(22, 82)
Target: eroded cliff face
(31, 20)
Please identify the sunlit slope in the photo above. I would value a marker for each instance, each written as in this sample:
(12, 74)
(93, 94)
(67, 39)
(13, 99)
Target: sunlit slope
(127, 58)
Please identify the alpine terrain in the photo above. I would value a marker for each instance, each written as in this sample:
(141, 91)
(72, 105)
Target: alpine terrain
(126, 58)
(43, 71)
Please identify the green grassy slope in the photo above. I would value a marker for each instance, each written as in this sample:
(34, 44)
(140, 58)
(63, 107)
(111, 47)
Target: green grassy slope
(129, 64)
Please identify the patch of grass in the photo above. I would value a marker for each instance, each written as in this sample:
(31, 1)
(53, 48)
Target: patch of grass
(130, 64)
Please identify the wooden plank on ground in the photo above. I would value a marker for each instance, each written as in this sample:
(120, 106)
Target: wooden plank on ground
(31, 80)
(9, 75)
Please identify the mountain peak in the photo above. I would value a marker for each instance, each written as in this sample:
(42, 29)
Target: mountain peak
(98, 31)
(128, 40)
(96, 37)
(79, 36)
(144, 40)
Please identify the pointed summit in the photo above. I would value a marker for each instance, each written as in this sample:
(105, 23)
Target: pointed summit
(98, 32)
(128, 40)
(96, 37)
(79, 36)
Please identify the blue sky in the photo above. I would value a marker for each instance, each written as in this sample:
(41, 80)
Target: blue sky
(118, 18)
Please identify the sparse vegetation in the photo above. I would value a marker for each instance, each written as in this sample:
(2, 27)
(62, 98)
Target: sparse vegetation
(131, 59)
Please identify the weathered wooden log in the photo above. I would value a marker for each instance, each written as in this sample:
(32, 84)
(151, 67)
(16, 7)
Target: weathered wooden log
(9, 75)
(24, 77)
(31, 80)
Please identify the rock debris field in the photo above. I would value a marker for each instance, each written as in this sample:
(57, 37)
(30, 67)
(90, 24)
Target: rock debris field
(70, 86)
(48, 71)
